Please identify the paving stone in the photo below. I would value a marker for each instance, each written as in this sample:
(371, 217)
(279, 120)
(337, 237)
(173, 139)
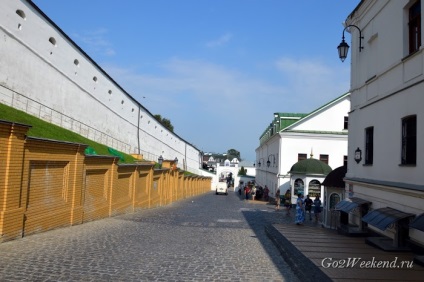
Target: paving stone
(205, 238)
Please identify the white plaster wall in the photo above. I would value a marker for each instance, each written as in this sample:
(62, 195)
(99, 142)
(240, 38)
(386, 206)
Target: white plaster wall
(292, 144)
(386, 85)
(329, 119)
(394, 93)
(383, 26)
(225, 170)
(44, 79)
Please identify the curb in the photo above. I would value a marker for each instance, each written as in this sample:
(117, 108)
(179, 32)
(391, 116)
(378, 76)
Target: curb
(303, 268)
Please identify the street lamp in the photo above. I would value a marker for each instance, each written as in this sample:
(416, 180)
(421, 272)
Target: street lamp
(259, 163)
(343, 47)
(268, 163)
(160, 161)
(176, 161)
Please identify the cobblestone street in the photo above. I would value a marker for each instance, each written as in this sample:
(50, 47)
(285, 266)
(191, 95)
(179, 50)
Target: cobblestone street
(204, 238)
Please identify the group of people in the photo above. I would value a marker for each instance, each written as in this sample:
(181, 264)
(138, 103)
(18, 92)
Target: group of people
(250, 190)
(303, 206)
(284, 199)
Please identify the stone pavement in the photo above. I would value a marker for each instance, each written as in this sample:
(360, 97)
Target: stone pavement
(204, 238)
(319, 254)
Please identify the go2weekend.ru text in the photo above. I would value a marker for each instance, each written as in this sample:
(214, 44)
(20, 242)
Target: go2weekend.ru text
(362, 263)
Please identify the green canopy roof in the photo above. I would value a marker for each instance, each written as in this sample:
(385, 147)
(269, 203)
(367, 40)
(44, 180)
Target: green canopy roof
(310, 166)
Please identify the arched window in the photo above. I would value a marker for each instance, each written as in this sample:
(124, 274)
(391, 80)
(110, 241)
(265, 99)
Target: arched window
(314, 188)
(52, 41)
(334, 200)
(21, 14)
(299, 187)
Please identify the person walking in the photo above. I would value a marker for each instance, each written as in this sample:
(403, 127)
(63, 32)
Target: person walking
(277, 200)
(253, 192)
(266, 193)
(300, 212)
(308, 206)
(317, 208)
(247, 192)
(287, 201)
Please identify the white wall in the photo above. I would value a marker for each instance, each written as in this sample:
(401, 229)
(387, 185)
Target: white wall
(387, 85)
(321, 132)
(384, 101)
(45, 80)
(326, 119)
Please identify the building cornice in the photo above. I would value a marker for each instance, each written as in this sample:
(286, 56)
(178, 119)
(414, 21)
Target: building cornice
(386, 185)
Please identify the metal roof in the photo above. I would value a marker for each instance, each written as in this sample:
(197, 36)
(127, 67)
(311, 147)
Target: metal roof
(350, 204)
(383, 217)
(418, 222)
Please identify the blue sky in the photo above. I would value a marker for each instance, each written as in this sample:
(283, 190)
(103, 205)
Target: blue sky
(218, 69)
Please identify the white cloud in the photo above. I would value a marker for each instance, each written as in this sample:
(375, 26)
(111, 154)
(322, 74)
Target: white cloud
(206, 101)
(224, 39)
(96, 41)
(313, 82)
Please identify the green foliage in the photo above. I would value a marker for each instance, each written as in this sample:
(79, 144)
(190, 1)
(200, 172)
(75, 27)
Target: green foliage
(165, 122)
(233, 153)
(242, 171)
(46, 130)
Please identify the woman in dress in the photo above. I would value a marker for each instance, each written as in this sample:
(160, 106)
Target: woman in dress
(300, 211)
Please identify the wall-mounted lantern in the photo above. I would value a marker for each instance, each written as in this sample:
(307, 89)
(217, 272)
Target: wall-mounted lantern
(358, 155)
(343, 47)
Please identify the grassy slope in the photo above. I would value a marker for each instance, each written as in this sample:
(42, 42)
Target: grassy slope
(47, 130)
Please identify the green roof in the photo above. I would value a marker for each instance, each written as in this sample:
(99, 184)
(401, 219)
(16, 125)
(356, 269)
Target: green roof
(319, 132)
(310, 166)
(288, 119)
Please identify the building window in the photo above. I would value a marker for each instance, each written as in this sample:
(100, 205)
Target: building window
(346, 123)
(323, 158)
(301, 157)
(369, 145)
(52, 40)
(21, 14)
(409, 140)
(334, 200)
(299, 187)
(314, 188)
(414, 27)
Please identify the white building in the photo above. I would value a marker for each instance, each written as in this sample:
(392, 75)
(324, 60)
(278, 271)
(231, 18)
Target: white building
(293, 137)
(386, 133)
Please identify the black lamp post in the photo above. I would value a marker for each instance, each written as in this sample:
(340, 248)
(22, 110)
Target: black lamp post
(160, 161)
(343, 47)
(176, 161)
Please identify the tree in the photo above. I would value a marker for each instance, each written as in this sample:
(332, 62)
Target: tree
(165, 122)
(233, 153)
(242, 171)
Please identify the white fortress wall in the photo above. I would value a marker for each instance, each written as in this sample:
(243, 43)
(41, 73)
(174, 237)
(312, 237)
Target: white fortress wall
(44, 73)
